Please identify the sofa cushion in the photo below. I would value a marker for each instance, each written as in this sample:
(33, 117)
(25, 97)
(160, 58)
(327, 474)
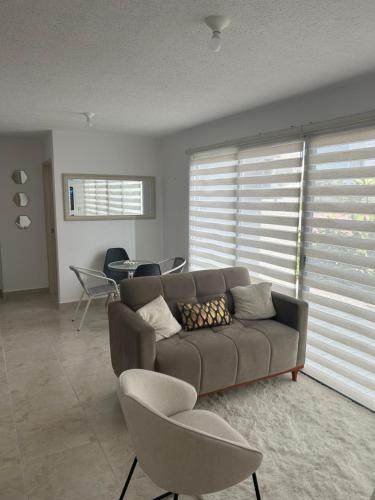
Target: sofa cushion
(179, 359)
(157, 314)
(253, 301)
(198, 286)
(253, 350)
(198, 315)
(283, 342)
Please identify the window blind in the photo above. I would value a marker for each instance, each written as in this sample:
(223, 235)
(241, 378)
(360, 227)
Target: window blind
(108, 197)
(268, 201)
(300, 214)
(339, 252)
(212, 224)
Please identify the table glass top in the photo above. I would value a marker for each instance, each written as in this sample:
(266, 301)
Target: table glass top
(127, 265)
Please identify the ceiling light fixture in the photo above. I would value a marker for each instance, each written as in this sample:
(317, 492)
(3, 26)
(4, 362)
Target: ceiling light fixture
(89, 117)
(217, 24)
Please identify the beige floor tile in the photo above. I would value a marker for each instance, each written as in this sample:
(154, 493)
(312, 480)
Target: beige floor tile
(53, 432)
(110, 430)
(26, 340)
(97, 393)
(42, 377)
(11, 483)
(6, 409)
(2, 367)
(9, 451)
(31, 358)
(78, 474)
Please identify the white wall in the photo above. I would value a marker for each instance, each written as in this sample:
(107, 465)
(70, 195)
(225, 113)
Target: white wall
(23, 252)
(84, 243)
(354, 96)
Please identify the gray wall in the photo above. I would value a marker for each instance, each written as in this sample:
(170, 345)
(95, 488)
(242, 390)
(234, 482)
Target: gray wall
(23, 252)
(352, 96)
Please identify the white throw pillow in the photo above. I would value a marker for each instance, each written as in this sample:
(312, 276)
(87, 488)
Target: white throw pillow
(253, 301)
(157, 314)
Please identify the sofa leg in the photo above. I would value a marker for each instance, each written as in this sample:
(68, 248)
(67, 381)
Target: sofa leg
(294, 375)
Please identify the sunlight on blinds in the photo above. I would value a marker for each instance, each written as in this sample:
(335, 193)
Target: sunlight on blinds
(212, 225)
(268, 197)
(107, 197)
(339, 273)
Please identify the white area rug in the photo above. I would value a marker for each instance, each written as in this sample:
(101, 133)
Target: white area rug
(316, 443)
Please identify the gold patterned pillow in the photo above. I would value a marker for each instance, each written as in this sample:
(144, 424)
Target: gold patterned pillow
(204, 315)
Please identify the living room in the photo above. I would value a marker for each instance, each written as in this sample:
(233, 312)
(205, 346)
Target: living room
(241, 135)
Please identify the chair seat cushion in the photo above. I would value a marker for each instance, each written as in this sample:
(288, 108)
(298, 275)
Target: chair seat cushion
(209, 423)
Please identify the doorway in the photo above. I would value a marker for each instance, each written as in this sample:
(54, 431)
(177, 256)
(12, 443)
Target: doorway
(49, 211)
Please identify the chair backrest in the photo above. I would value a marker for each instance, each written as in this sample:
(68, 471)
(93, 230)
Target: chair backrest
(112, 255)
(173, 265)
(147, 270)
(176, 456)
(79, 272)
(178, 265)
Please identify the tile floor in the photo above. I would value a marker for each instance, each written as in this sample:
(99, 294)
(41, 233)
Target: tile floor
(62, 434)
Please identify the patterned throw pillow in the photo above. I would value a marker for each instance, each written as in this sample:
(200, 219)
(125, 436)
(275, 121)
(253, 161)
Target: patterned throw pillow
(202, 315)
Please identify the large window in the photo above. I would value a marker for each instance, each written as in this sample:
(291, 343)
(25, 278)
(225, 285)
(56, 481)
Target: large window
(300, 214)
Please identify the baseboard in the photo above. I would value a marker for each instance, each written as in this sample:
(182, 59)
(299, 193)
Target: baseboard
(22, 293)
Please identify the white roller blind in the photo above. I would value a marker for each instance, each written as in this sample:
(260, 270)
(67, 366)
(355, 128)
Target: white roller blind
(339, 272)
(268, 201)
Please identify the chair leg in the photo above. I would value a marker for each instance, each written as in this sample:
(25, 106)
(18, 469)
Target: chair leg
(128, 479)
(294, 375)
(256, 487)
(164, 495)
(84, 314)
(78, 306)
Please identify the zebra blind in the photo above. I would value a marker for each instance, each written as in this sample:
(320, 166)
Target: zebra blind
(244, 209)
(339, 272)
(212, 224)
(268, 200)
(106, 197)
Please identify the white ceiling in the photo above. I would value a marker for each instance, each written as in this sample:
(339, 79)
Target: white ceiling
(144, 66)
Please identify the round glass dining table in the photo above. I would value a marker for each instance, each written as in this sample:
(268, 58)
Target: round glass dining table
(127, 265)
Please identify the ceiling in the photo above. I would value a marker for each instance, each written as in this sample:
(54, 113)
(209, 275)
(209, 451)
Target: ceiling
(144, 66)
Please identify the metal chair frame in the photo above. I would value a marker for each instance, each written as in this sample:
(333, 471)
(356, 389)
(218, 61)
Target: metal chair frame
(92, 273)
(170, 493)
(175, 268)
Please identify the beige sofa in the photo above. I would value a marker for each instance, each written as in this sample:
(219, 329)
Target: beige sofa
(211, 358)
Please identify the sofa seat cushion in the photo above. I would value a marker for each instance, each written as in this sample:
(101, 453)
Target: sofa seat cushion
(214, 357)
(283, 342)
(253, 350)
(210, 423)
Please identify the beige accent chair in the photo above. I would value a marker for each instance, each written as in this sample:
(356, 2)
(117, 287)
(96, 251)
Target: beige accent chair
(182, 450)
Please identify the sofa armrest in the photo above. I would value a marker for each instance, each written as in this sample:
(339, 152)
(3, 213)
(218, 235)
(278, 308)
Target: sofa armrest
(132, 340)
(294, 313)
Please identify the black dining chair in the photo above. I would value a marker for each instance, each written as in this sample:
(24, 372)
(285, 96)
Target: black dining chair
(147, 270)
(113, 255)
